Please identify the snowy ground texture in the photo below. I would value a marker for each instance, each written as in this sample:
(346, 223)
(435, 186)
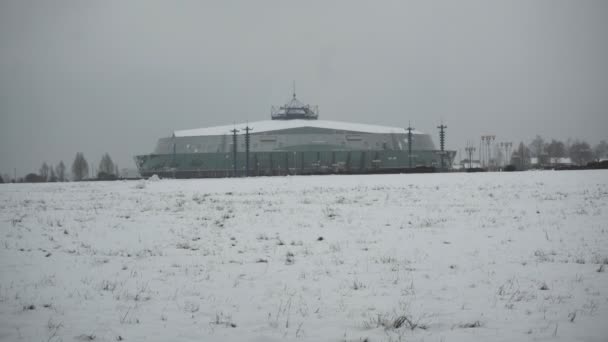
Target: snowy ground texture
(433, 257)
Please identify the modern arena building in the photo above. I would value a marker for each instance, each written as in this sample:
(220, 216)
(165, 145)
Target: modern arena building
(293, 142)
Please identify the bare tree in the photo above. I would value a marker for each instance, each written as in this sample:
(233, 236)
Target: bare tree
(106, 167)
(580, 152)
(521, 157)
(600, 150)
(60, 171)
(537, 146)
(52, 176)
(80, 167)
(555, 149)
(44, 172)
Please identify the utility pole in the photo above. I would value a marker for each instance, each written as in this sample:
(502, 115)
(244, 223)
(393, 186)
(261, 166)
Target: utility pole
(483, 153)
(174, 152)
(470, 149)
(442, 128)
(247, 129)
(480, 154)
(173, 160)
(234, 149)
(409, 144)
(522, 155)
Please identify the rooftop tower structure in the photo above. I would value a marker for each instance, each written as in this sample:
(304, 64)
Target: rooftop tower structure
(294, 109)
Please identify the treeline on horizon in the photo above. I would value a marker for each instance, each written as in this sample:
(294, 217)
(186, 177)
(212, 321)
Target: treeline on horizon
(579, 151)
(547, 152)
(107, 170)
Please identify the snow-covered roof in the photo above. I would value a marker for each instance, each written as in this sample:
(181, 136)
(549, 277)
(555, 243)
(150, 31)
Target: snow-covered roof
(554, 160)
(466, 164)
(275, 125)
(561, 160)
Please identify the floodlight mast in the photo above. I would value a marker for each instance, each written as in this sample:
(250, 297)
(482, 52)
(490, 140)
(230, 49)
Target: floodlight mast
(470, 149)
(487, 139)
(507, 147)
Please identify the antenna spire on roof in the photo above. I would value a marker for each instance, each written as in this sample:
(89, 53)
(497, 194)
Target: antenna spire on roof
(294, 89)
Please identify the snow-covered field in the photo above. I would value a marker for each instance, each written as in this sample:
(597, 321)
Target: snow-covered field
(433, 257)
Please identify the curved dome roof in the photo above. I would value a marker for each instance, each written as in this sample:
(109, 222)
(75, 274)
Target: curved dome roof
(276, 125)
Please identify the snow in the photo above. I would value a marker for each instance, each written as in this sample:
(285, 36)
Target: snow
(273, 125)
(452, 257)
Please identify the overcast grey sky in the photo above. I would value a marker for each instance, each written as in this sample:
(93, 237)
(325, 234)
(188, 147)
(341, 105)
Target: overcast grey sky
(113, 76)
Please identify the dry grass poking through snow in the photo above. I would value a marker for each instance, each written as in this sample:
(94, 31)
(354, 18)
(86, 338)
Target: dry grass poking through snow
(453, 257)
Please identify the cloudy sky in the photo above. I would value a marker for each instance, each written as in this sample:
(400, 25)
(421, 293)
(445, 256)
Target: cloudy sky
(113, 76)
